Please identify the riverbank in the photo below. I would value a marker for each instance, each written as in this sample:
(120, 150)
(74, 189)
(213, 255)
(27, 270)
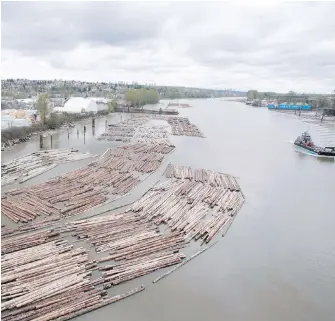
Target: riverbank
(16, 135)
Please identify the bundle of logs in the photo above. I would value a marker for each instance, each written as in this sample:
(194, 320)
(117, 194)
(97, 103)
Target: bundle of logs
(155, 134)
(50, 281)
(151, 116)
(148, 148)
(31, 226)
(20, 242)
(24, 168)
(144, 158)
(198, 207)
(179, 105)
(135, 245)
(138, 130)
(202, 175)
(101, 181)
(128, 270)
(22, 206)
(182, 127)
(68, 195)
(77, 191)
(123, 131)
(186, 130)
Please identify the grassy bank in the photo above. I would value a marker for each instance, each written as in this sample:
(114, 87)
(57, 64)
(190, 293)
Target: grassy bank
(55, 121)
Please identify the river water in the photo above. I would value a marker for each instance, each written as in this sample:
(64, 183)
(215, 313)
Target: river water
(277, 261)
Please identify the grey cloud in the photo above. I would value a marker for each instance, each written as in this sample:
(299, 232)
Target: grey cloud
(36, 28)
(287, 47)
(216, 40)
(59, 63)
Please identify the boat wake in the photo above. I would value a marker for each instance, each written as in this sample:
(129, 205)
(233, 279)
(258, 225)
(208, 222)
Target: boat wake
(302, 151)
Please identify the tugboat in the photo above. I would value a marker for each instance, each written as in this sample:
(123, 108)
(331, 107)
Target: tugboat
(305, 141)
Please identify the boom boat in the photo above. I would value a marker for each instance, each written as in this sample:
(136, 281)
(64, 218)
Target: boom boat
(305, 141)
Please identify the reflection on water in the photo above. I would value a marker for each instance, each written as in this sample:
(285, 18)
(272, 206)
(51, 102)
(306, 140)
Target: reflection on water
(277, 262)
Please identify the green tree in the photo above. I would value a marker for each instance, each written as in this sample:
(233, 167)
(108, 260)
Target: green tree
(252, 94)
(142, 96)
(42, 106)
(111, 106)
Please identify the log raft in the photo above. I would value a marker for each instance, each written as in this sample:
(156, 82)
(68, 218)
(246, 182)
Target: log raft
(24, 168)
(197, 203)
(46, 278)
(112, 175)
(49, 280)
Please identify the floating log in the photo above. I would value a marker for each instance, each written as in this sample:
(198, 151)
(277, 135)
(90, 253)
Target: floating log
(31, 226)
(125, 272)
(181, 126)
(183, 263)
(18, 242)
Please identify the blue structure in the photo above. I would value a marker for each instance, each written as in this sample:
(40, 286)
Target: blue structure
(289, 107)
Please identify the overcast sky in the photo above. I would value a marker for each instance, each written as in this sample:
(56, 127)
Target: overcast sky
(202, 44)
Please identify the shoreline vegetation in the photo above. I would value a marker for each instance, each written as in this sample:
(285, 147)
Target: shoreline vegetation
(48, 121)
(15, 135)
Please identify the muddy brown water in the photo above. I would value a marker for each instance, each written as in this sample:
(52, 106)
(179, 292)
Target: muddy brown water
(277, 261)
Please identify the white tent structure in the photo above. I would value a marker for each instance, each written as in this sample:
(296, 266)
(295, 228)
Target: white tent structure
(78, 105)
(100, 100)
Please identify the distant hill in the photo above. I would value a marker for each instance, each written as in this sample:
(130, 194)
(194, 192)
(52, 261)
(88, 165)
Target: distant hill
(25, 88)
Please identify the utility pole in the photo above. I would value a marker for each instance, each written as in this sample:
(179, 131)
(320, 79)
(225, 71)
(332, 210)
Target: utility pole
(41, 141)
(323, 114)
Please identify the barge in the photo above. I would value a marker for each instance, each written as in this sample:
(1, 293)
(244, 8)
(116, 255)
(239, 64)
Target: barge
(289, 107)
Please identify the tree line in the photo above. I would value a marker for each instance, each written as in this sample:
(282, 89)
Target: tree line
(142, 96)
